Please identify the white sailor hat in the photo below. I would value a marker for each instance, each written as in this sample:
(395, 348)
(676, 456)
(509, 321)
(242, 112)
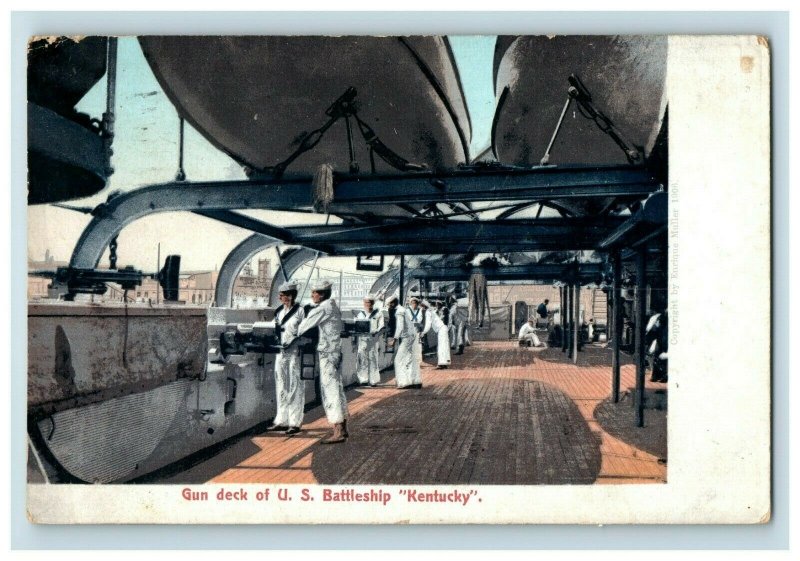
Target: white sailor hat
(288, 286)
(414, 299)
(321, 285)
(392, 298)
(426, 303)
(370, 297)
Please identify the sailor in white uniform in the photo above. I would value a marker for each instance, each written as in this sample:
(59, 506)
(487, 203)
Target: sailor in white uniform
(452, 316)
(461, 322)
(289, 387)
(418, 319)
(406, 366)
(442, 339)
(328, 319)
(527, 334)
(367, 368)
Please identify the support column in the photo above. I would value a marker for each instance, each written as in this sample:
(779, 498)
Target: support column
(570, 319)
(402, 278)
(565, 320)
(616, 334)
(641, 288)
(577, 331)
(561, 315)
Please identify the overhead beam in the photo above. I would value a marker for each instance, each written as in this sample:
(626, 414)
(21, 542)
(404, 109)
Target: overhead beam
(652, 217)
(234, 261)
(496, 185)
(364, 193)
(243, 221)
(535, 271)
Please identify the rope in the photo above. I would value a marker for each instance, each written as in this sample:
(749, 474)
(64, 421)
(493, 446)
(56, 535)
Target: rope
(478, 298)
(322, 186)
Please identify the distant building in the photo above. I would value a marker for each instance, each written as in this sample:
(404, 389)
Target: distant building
(38, 286)
(253, 290)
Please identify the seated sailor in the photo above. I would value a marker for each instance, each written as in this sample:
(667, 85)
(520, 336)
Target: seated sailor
(527, 334)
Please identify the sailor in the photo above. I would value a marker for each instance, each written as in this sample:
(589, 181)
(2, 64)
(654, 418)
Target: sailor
(461, 321)
(542, 313)
(452, 313)
(418, 319)
(367, 368)
(289, 387)
(443, 312)
(442, 339)
(527, 334)
(406, 365)
(328, 319)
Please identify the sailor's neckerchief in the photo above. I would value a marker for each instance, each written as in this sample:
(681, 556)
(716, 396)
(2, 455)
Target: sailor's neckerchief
(371, 314)
(292, 311)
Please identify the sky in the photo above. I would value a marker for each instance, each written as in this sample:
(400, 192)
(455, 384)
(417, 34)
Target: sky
(146, 152)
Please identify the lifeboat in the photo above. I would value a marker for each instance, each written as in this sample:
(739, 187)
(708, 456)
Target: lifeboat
(259, 98)
(67, 156)
(624, 75)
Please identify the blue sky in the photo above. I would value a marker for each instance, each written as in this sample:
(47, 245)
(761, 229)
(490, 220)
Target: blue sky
(146, 152)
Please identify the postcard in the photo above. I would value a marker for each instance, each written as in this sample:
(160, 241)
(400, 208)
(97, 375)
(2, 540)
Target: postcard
(391, 280)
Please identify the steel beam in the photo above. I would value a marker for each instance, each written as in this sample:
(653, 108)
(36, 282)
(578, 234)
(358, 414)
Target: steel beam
(402, 278)
(235, 260)
(496, 185)
(291, 260)
(248, 223)
(641, 287)
(561, 314)
(457, 237)
(352, 192)
(565, 319)
(616, 333)
(577, 331)
(641, 225)
(534, 271)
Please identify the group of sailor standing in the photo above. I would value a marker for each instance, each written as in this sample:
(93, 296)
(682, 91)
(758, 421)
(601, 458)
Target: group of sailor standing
(323, 321)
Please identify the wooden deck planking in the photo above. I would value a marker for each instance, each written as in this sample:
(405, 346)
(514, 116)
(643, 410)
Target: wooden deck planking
(491, 401)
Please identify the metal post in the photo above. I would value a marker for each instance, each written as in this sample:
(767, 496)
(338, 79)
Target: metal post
(111, 96)
(561, 313)
(180, 175)
(565, 318)
(402, 277)
(158, 264)
(617, 326)
(280, 264)
(570, 338)
(641, 288)
(577, 331)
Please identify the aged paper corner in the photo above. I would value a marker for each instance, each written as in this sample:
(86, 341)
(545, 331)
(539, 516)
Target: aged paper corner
(54, 38)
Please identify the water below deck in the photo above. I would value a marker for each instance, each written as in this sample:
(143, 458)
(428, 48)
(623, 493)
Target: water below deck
(500, 414)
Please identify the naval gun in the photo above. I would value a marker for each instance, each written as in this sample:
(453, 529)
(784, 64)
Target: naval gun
(71, 281)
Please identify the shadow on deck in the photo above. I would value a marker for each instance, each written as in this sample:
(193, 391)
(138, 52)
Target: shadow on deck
(500, 415)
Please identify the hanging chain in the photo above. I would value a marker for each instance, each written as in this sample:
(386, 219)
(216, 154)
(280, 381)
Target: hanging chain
(345, 107)
(112, 256)
(581, 95)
